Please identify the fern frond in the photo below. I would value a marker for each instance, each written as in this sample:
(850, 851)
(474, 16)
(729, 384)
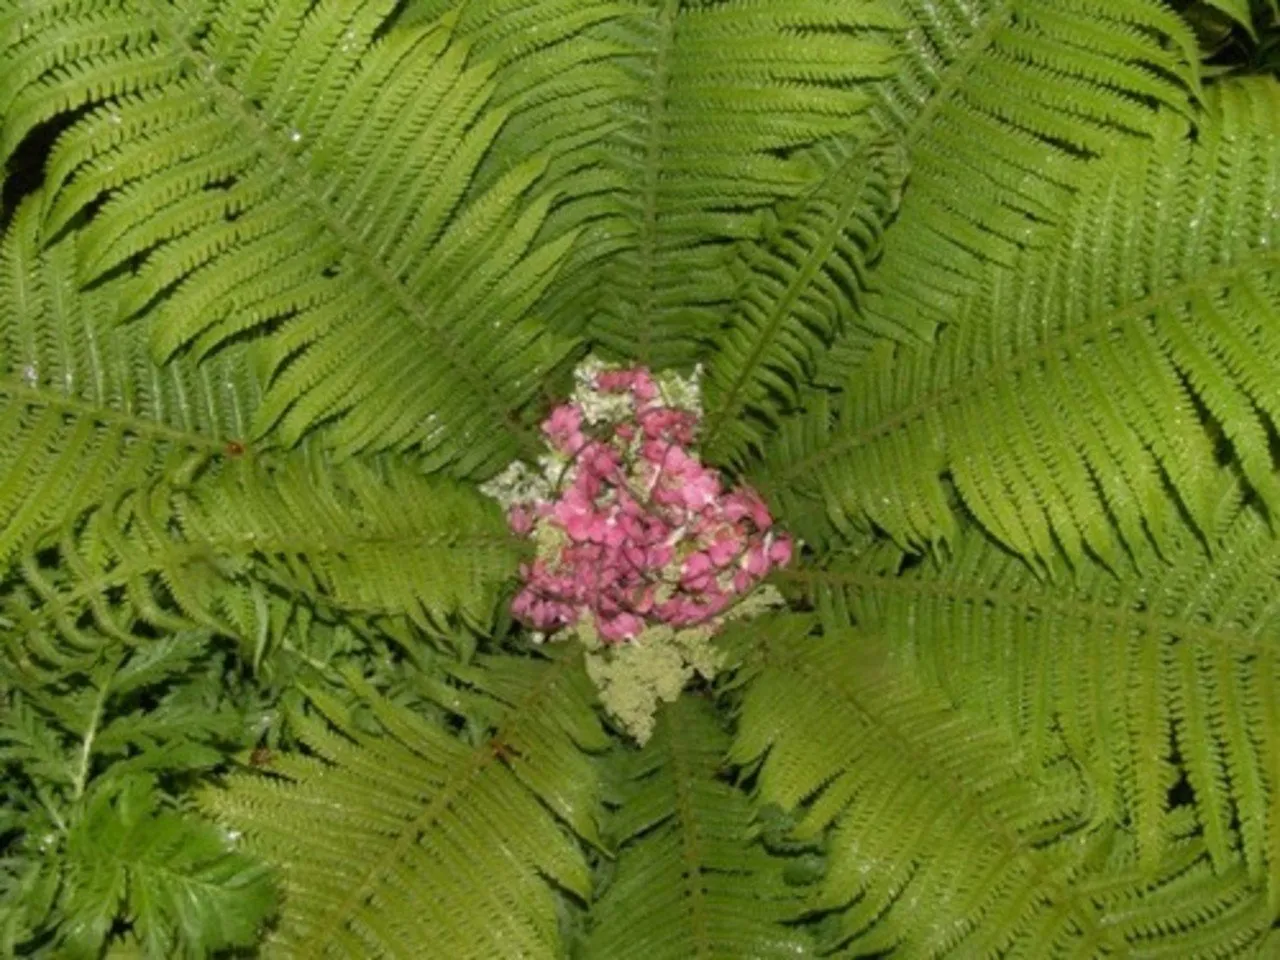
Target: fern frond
(377, 539)
(1163, 675)
(412, 837)
(1065, 403)
(717, 98)
(944, 841)
(998, 104)
(300, 172)
(372, 542)
(84, 416)
(799, 286)
(690, 882)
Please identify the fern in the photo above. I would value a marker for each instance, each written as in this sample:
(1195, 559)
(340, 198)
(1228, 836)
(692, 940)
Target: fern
(1167, 674)
(413, 836)
(249, 154)
(687, 883)
(943, 844)
(801, 284)
(997, 105)
(1138, 334)
(86, 417)
(984, 295)
(716, 100)
(346, 538)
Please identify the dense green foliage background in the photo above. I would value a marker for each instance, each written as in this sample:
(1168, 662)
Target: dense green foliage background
(987, 297)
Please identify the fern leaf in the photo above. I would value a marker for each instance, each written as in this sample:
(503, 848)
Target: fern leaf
(302, 173)
(86, 417)
(374, 543)
(999, 103)
(715, 99)
(1156, 678)
(378, 539)
(689, 881)
(801, 283)
(943, 841)
(1065, 403)
(389, 842)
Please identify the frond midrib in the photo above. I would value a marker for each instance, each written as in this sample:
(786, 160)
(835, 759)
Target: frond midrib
(652, 173)
(16, 387)
(302, 181)
(978, 382)
(682, 776)
(1143, 622)
(484, 755)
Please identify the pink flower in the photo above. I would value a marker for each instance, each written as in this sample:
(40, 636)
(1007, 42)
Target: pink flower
(520, 519)
(636, 520)
(780, 551)
(564, 428)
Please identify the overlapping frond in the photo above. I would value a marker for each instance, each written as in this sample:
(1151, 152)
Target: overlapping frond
(717, 100)
(295, 171)
(85, 417)
(559, 77)
(371, 542)
(945, 841)
(415, 839)
(799, 285)
(1078, 402)
(1161, 676)
(997, 102)
(690, 881)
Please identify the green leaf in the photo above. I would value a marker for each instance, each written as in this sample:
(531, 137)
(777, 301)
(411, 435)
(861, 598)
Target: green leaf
(691, 881)
(175, 879)
(390, 841)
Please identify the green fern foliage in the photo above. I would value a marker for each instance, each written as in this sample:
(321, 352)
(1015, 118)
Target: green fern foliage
(375, 543)
(86, 416)
(718, 100)
(690, 882)
(997, 102)
(944, 841)
(415, 836)
(1169, 675)
(800, 286)
(304, 171)
(1077, 402)
(984, 296)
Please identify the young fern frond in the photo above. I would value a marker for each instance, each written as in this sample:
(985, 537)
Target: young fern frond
(1167, 673)
(1077, 401)
(690, 880)
(944, 842)
(415, 837)
(302, 172)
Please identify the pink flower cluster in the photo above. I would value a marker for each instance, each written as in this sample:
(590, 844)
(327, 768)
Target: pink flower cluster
(647, 534)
